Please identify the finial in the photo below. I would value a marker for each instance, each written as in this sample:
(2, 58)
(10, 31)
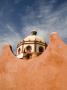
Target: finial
(34, 32)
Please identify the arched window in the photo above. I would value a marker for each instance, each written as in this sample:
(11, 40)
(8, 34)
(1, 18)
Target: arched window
(41, 49)
(19, 51)
(28, 48)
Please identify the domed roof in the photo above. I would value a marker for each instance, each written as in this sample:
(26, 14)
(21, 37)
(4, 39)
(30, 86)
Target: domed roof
(33, 37)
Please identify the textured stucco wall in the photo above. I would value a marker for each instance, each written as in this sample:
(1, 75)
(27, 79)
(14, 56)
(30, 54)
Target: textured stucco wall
(46, 72)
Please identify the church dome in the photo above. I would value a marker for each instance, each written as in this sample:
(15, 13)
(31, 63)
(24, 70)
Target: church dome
(31, 46)
(33, 37)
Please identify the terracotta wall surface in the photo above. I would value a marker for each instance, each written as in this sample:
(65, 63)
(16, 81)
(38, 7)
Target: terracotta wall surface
(45, 72)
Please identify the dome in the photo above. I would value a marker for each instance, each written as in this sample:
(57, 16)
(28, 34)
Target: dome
(31, 46)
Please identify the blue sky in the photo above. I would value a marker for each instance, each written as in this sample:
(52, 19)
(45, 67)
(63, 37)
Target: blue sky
(19, 17)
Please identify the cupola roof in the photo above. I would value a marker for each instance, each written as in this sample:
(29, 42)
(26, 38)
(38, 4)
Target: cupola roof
(33, 37)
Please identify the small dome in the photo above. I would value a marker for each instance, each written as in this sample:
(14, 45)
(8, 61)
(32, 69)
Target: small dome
(31, 46)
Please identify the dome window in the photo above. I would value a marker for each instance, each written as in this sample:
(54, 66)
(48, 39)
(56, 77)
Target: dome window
(19, 51)
(28, 48)
(41, 49)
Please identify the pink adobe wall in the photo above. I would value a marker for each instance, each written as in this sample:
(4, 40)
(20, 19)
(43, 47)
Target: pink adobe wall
(46, 72)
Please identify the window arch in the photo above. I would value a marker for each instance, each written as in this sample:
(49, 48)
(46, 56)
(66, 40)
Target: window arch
(41, 49)
(28, 48)
(19, 51)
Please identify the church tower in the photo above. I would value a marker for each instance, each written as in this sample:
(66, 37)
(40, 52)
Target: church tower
(31, 46)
